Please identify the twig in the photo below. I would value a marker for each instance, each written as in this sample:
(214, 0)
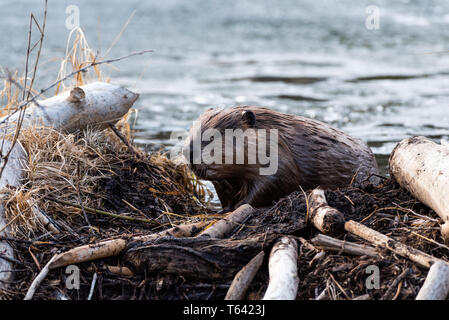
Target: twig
(22, 112)
(394, 284)
(131, 148)
(423, 259)
(92, 286)
(324, 242)
(92, 64)
(339, 286)
(40, 277)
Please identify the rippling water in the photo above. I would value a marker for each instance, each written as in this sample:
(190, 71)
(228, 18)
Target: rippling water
(311, 58)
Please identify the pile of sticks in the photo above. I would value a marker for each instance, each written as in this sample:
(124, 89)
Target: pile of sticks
(203, 251)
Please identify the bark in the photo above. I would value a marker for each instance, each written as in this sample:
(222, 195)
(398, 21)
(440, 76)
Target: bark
(423, 259)
(243, 278)
(324, 242)
(197, 259)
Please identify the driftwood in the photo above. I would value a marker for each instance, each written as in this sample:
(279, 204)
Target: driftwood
(96, 104)
(436, 286)
(283, 270)
(243, 278)
(422, 167)
(324, 242)
(197, 259)
(325, 218)
(423, 259)
(89, 252)
(225, 226)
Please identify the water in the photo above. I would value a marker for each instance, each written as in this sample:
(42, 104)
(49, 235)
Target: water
(311, 58)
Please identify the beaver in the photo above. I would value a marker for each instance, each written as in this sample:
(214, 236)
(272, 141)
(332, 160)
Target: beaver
(309, 154)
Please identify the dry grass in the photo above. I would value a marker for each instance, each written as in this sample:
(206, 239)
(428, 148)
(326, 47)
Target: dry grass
(78, 55)
(86, 169)
(74, 168)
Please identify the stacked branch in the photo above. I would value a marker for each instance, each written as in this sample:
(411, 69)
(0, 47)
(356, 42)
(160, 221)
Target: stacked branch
(325, 218)
(283, 270)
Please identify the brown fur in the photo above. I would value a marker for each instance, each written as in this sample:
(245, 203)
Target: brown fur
(311, 154)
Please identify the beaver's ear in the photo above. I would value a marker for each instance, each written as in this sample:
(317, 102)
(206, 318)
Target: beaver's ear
(249, 118)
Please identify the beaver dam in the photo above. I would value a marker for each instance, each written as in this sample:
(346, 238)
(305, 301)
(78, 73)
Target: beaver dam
(139, 227)
(85, 214)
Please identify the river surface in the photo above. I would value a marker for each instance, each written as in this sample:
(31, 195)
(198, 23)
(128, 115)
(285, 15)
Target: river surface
(313, 58)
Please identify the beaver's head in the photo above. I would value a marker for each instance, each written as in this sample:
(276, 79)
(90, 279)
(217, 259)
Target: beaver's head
(221, 143)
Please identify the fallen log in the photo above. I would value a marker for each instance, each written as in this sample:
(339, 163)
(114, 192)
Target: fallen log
(283, 271)
(243, 278)
(196, 259)
(96, 104)
(422, 167)
(225, 226)
(423, 259)
(108, 248)
(324, 242)
(436, 285)
(114, 247)
(325, 218)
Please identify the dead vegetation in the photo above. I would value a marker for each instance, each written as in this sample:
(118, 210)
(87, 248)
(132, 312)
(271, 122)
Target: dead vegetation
(87, 187)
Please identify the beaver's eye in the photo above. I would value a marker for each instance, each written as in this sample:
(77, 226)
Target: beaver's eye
(249, 117)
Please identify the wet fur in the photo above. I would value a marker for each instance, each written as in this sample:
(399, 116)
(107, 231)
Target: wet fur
(311, 154)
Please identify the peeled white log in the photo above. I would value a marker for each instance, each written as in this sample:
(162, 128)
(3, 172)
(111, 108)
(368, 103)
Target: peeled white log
(12, 176)
(325, 218)
(283, 270)
(436, 286)
(422, 167)
(95, 104)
